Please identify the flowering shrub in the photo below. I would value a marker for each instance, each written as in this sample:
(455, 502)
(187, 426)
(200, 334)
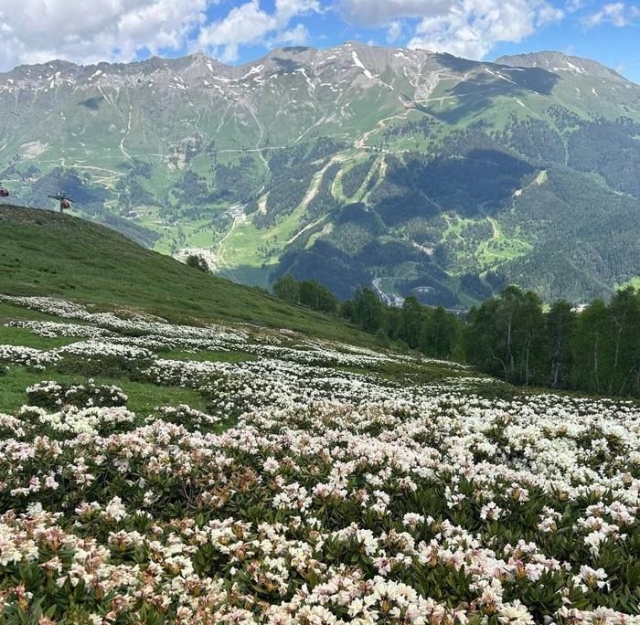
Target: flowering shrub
(103, 349)
(184, 415)
(52, 329)
(72, 420)
(51, 394)
(11, 426)
(108, 366)
(27, 356)
(334, 498)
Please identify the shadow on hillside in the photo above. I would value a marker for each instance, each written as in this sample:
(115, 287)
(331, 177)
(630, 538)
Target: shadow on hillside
(287, 65)
(327, 264)
(477, 93)
(480, 183)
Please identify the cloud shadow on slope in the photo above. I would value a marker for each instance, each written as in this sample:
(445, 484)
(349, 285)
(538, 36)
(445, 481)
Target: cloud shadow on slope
(477, 93)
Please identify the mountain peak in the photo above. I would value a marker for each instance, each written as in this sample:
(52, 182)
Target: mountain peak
(554, 61)
(48, 68)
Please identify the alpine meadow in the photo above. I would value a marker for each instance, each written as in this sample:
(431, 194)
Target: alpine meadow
(338, 336)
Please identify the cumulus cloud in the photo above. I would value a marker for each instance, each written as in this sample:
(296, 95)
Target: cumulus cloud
(616, 13)
(244, 24)
(113, 30)
(468, 28)
(297, 36)
(250, 24)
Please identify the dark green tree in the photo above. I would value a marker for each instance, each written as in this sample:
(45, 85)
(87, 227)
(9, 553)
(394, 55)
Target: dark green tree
(309, 293)
(480, 339)
(369, 312)
(392, 322)
(559, 327)
(347, 311)
(197, 262)
(411, 318)
(287, 288)
(530, 339)
(317, 296)
(624, 315)
(327, 301)
(505, 336)
(591, 349)
(440, 334)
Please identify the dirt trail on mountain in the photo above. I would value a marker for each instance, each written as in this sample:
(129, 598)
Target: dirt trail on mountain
(313, 191)
(359, 143)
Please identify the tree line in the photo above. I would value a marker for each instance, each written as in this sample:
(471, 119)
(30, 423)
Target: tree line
(433, 331)
(513, 335)
(308, 293)
(596, 349)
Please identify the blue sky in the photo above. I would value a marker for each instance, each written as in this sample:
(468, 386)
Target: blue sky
(239, 31)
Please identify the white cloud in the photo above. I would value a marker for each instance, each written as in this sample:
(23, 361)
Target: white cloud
(548, 13)
(297, 36)
(288, 9)
(99, 30)
(468, 28)
(453, 34)
(250, 24)
(394, 31)
(616, 13)
(574, 5)
(244, 24)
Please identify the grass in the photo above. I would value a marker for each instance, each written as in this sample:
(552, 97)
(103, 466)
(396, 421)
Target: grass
(500, 248)
(24, 337)
(10, 312)
(633, 282)
(143, 397)
(488, 253)
(200, 238)
(242, 246)
(43, 253)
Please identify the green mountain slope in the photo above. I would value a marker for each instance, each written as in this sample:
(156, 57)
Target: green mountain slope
(43, 253)
(426, 173)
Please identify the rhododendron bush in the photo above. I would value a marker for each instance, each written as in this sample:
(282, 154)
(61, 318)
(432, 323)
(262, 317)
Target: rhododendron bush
(307, 493)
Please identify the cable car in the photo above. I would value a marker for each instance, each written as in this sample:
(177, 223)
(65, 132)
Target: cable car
(65, 202)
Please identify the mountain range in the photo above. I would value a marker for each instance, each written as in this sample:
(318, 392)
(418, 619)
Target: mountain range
(418, 173)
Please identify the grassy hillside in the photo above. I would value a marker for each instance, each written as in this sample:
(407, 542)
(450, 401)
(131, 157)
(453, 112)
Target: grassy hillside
(45, 253)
